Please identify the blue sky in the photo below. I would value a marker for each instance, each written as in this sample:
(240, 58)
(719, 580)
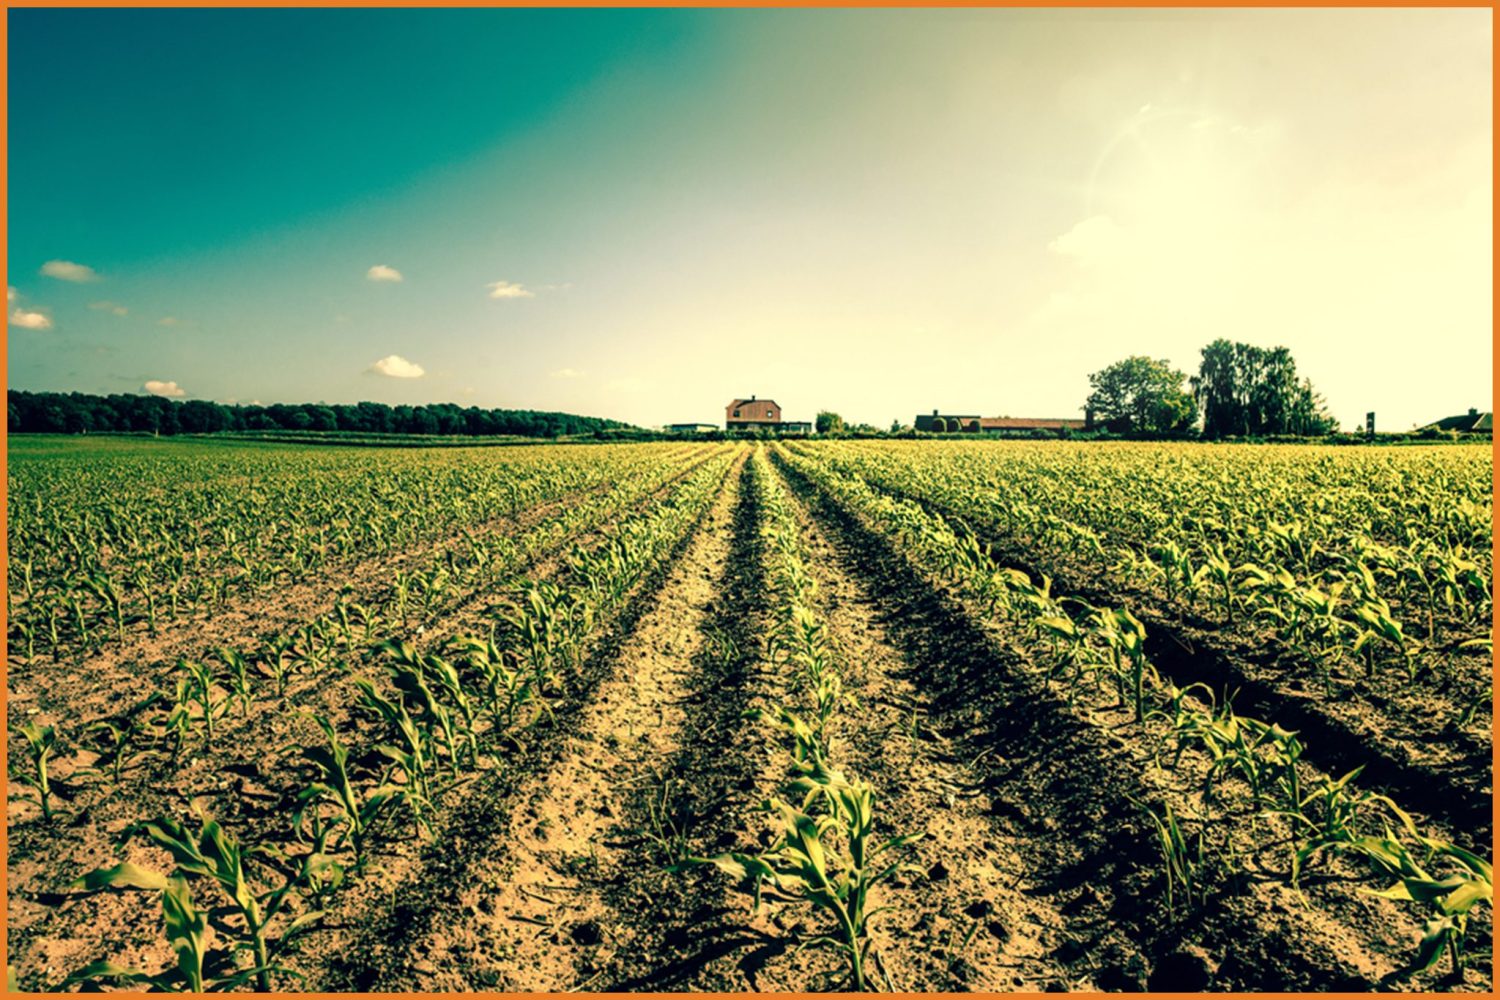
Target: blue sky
(642, 214)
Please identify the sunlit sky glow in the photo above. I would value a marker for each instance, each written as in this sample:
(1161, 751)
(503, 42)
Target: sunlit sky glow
(643, 214)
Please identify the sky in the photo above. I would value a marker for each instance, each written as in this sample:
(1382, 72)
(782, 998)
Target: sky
(645, 214)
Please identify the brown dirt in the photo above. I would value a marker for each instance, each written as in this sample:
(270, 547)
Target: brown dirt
(249, 783)
(528, 909)
(548, 869)
(1069, 776)
(1402, 734)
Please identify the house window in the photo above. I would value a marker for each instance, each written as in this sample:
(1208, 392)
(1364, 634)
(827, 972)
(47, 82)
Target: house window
(736, 413)
(768, 414)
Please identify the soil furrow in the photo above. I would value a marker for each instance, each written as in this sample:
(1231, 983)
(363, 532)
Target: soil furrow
(248, 782)
(1071, 787)
(1457, 795)
(693, 930)
(963, 921)
(445, 925)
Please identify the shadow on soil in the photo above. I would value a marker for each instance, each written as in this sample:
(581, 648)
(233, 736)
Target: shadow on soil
(1066, 791)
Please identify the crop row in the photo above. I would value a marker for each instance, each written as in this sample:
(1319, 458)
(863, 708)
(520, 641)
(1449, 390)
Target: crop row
(1096, 656)
(146, 540)
(1304, 547)
(826, 849)
(431, 716)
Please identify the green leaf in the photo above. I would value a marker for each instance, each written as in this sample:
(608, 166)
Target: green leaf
(106, 970)
(122, 876)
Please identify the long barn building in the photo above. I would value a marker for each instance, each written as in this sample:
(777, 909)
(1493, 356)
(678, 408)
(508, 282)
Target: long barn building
(968, 423)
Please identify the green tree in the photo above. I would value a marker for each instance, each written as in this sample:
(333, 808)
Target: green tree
(1141, 394)
(829, 422)
(1248, 390)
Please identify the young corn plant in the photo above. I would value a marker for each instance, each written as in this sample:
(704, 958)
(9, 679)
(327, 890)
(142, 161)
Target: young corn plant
(832, 860)
(508, 693)
(1183, 858)
(211, 853)
(236, 677)
(410, 753)
(411, 673)
(195, 691)
(118, 738)
(1451, 897)
(40, 742)
(353, 813)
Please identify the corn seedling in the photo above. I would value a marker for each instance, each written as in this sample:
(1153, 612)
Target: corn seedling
(832, 861)
(1183, 858)
(40, 742)
(355, 813)
(1451, 897)
(211, 853)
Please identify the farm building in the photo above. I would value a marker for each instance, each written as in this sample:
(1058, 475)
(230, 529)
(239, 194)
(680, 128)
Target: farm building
(1473, 422)
(1030, 424)
(745, 414)
(941, 423)
(690, 428)
(796, 427)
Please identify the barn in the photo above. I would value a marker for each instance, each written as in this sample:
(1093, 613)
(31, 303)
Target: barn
(950, 423)
(747, 414)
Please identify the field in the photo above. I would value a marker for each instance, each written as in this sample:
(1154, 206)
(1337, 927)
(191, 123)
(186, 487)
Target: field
(907, 715)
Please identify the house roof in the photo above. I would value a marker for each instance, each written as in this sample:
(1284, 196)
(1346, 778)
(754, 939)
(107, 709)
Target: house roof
(744, 402)
(1026, 423)
(1466, 422)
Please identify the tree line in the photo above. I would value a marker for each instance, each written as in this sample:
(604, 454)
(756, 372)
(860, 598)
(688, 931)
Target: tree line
(1240, 391)
(82, 413)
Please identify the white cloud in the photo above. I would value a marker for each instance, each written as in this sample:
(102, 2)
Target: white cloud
(169, 321)
(383, 272)
(395, 366)
(567, 373)
(66, 270)
(171, 390)
(29, 320)
(1096, 236)
(10, 294)
(509, 290)
(109, 307)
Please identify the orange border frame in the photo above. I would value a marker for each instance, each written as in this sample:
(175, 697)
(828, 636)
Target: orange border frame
(597, 4)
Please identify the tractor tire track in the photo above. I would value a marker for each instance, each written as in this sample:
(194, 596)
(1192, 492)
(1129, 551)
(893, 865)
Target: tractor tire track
(693, 930)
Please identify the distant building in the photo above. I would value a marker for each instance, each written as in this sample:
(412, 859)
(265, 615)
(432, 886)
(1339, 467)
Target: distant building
(1473, 422)
(946, 423)
(796, 427)
(951, 423)
(690, 428)
(1030, 424)
(746, 414)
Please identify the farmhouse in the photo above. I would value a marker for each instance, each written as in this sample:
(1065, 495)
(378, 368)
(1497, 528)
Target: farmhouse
(746, 414)
(949, 423)
(1472, 423)
(690, 428)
